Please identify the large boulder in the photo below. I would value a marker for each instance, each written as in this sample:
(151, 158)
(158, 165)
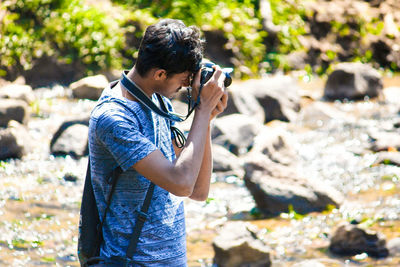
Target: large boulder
(17, 91)
(13, 109)
(279, 97)
(318, 114)
(235, 132)
(226, 163)
(277, 143)
(353, 81)
(240, 100)
(71, 138)
(89, 87)
(14, 141)
(351, 240)
(237, 245)
(276, 187)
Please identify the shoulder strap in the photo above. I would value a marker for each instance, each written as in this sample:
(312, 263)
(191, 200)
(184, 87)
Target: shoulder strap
(142, 217)
(142, 97)
(112, 179)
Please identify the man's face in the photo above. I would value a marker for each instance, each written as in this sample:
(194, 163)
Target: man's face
(174, 82)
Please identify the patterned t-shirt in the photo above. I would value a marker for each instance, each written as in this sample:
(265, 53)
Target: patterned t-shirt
(121, 133)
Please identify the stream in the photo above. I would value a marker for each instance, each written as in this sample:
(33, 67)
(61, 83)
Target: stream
(39, 206)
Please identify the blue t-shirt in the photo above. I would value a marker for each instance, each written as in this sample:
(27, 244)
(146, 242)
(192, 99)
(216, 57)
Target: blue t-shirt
(121, 133)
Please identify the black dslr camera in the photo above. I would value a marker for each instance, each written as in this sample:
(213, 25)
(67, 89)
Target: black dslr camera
(207, 71)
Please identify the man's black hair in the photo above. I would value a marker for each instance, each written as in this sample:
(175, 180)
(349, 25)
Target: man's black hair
(172, 46)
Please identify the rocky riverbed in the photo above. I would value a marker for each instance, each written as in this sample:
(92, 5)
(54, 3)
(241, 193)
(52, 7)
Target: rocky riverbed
(40, 194)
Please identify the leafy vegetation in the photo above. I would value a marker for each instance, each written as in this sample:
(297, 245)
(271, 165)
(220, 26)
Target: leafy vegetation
(67, 30)
(77, 32)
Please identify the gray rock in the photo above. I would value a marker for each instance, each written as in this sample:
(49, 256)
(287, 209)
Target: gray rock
(237, 245)
(17, 91)
(353, 81)
(275, 187)
(71, 139)
(276, 143)
(226, 163)
(240, 100)
(14, 141)
(350, 240)
(277, 95)
(394, 246)
(13, 109)
(317, 114)
(235, 132)
(90, 87)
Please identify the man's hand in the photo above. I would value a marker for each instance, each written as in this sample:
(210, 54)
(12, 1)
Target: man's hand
(212, 99)
(221, 106)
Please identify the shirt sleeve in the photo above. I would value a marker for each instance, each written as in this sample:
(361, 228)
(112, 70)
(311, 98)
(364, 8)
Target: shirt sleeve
(121, 136)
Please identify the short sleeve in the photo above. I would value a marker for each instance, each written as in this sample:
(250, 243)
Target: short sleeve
(123, 138)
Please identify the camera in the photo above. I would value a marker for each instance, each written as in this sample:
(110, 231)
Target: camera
(207, 71)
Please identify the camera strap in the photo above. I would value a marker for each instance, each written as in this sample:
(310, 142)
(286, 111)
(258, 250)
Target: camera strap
(145, 100)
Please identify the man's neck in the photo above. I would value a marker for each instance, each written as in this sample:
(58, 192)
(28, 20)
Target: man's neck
(141, 82)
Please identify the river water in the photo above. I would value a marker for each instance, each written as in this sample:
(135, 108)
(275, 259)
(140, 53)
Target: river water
(40, 209)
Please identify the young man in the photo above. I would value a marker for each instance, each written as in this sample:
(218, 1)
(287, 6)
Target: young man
(125, 133)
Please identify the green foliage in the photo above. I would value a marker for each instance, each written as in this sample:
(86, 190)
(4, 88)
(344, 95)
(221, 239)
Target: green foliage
(289, 16)
(236, 19)
(67, 30)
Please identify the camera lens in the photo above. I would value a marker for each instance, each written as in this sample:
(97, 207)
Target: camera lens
(208, 71)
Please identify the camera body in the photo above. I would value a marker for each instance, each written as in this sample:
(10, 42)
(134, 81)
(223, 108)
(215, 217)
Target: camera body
(207, 71)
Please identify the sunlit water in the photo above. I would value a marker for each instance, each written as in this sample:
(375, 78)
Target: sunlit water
(40, 210)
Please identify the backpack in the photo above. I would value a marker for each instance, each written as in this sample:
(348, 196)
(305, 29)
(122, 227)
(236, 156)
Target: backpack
(90, 226)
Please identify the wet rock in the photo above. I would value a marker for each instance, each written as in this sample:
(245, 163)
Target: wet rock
(394, 246)
(17, 91)
(278, 95)
(226, 163)
(235, 132)
(353, 81)
(392, 158)
(14, 141)
(237, 245)
(384, 141)
(351, 240)
(276, 143)
(71, 139)
(240, 100)
(275, 187)
(70, 177)
(316, 114)
(13, 109)
(90, 87)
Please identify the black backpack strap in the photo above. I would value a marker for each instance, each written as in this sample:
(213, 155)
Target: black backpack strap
(142, 217)
(111, 179)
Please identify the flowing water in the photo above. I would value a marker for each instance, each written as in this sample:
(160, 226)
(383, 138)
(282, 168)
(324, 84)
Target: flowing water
(39, 209)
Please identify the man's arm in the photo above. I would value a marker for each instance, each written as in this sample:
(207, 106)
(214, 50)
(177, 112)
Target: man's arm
(202, 186)
(180, 176)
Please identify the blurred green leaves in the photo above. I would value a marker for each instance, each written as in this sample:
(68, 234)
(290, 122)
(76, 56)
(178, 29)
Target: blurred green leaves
(67, 30)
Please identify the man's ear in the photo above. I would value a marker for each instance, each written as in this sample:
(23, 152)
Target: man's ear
(160, 74)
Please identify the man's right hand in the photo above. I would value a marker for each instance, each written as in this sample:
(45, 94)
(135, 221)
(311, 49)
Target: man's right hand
(212, 91)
